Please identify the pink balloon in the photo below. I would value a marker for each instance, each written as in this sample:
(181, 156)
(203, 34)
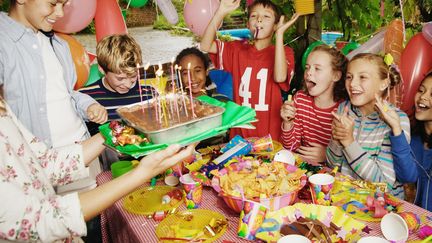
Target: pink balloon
(427, 32)
(108, 19)
(198, 13)
(415, 63)
(373, 45)
(77, 15)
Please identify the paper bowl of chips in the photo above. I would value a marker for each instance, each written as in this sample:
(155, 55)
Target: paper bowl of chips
(275, 185)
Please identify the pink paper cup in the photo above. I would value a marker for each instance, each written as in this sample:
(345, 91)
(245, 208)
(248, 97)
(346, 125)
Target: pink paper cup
(320, 187)
(251, 218)
(263, 144)
(192, 191)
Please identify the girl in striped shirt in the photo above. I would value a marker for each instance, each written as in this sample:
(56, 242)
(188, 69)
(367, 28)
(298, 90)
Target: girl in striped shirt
(306, 126)
(368, 133)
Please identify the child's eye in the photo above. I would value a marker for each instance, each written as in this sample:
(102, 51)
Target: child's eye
(348, 77)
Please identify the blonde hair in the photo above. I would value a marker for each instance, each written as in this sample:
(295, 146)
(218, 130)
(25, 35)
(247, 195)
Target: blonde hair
(119, 54)
(384, 71)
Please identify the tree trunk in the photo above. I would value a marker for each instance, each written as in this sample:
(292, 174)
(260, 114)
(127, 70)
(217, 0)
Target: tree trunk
(308, 26)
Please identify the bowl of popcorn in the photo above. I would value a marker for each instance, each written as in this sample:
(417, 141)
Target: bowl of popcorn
(274, 185)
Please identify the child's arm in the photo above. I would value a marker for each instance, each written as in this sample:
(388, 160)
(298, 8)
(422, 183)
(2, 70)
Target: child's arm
(290, 136)
(403, 159)
(281, 65)
(207, 43)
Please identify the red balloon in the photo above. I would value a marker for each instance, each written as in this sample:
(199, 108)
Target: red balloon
(415, 63)
(108, 19)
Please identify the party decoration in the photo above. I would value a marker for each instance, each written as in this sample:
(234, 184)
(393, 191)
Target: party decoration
(80, 59)
(427, 32)
(309, 50)
(77, 15)
(197, 14)
(136, 3)
(373, 45)
(108, 19)
(168, 10)
(393, 40)
(304, 6)
(326, 217)
(415, 64)
(349, 47)
(94, 75)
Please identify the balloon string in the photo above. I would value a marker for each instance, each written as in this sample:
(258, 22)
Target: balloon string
(403, 19)
(127, 7)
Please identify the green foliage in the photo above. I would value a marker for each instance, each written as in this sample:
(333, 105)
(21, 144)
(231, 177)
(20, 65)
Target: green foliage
(4, 6)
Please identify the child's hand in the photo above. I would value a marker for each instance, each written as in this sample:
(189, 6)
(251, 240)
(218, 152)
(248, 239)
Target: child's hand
(343, 128)
(282, 27)
(287, 113)
(158, 162)
(313, 154)
(388, 115)
(97, 113)
(227, 6)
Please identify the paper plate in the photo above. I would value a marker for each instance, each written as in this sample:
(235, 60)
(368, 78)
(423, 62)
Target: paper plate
(148, 200)
(188, 223)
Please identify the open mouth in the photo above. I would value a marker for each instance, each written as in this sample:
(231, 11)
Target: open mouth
(310, 84)
(51, 21)
(422, 107)
(356, 93)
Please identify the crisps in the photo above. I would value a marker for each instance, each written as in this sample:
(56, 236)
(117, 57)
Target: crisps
(260, 180)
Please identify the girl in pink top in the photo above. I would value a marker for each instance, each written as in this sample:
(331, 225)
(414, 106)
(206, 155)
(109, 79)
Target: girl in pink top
(306, 126)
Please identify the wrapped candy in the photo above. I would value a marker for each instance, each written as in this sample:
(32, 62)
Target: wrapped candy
(123, 135)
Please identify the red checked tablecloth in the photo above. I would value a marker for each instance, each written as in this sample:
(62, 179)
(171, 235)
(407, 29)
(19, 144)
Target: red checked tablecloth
(120, 226)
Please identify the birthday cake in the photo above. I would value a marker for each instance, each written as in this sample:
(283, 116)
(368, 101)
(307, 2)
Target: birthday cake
(171, 119)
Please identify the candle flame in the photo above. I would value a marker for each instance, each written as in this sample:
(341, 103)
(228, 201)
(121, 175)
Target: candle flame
(172, 60)
(176, 66)
(189, 65)
(147, 66)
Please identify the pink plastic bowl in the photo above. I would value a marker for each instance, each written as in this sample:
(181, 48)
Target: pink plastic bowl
(273, 203)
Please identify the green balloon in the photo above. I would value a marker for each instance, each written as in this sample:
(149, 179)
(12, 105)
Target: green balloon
(349, 47)
(94, 75)
(308, 51)
(136, 3)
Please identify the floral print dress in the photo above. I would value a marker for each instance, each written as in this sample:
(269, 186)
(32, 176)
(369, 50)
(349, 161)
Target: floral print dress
(29, 208)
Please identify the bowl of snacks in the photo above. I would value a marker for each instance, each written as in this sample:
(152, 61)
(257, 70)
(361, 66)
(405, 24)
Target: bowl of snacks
(275, 185)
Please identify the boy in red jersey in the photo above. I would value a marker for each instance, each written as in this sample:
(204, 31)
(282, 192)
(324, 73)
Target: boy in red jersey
(260, 69)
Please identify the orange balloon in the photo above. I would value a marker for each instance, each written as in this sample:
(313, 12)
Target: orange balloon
(393, 44)
(80, 58)
(393, 40)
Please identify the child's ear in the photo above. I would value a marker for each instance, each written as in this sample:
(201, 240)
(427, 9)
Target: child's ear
(337, 76)
(384, 85)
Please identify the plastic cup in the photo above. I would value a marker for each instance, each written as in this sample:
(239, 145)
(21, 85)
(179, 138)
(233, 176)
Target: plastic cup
(394, 228)
(320, 187)
(263, 144)
(121, 167)
(251, 218)
(192, 190)
(294, 239)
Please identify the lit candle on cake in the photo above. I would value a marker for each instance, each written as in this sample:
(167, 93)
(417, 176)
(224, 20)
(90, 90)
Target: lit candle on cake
(190, 90)
(173, 89)
(181, 88)
(147, 92)
(159, 74)
(139, 87)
